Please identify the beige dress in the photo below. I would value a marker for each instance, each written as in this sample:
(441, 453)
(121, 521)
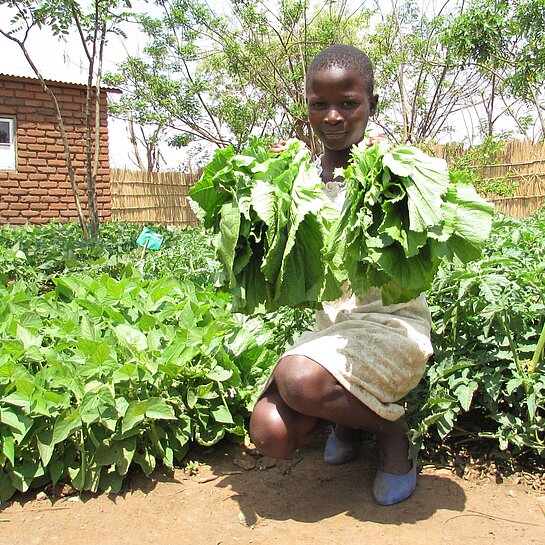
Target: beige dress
(377, 352)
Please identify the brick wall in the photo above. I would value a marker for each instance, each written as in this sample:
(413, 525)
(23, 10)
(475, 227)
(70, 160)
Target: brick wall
(39, 189)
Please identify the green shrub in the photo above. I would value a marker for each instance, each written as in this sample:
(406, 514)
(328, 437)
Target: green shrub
(102, 373)
(487, 378)
(39, 253)
(482, 155)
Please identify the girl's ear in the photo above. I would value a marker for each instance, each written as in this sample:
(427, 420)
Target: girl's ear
(373, 105)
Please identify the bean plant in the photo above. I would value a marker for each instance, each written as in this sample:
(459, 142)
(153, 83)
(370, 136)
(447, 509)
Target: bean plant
(110, 361)
(487, 377)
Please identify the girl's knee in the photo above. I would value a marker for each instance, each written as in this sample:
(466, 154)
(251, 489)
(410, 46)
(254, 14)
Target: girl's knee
(303, 383)
(269, 434)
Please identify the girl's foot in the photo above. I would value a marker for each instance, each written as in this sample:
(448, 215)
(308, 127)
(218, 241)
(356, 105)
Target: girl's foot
(395, 480)
(389, 489)
(343, 445)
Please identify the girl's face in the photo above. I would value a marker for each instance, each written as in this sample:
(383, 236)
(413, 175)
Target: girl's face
(339, 107)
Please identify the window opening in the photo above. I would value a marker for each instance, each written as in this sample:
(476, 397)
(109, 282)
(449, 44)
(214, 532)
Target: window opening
(7, 143)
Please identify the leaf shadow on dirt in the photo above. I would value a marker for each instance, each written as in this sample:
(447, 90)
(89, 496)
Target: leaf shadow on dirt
(305, 489)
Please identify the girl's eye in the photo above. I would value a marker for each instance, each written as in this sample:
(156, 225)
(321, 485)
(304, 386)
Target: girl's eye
(349, 104)
(317, 104)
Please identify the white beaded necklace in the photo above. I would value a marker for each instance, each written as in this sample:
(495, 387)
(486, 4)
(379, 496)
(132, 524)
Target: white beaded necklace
(334, 186)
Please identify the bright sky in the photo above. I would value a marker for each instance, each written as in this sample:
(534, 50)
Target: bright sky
(64, 60)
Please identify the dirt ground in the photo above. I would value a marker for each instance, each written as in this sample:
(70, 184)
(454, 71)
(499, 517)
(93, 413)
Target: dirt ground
(231, 495)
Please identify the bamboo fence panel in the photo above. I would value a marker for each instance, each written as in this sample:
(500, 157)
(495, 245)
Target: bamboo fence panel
(162, 198)
(521, 161)
(159, 198)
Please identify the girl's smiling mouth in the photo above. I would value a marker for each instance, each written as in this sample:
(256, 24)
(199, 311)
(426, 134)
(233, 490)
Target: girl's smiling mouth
(334, 134)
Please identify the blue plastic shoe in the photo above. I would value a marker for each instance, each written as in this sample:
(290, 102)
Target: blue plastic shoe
(389, 488)
(340, 451)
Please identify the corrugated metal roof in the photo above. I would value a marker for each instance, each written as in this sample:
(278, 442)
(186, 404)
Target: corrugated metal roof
(72, 82)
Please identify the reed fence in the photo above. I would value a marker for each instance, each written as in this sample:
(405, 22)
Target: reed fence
(152, 197)
(162, 198)
(521, 162)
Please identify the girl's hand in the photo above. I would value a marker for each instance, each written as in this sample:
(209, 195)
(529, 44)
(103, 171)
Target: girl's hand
(374, 139)
(279, 147)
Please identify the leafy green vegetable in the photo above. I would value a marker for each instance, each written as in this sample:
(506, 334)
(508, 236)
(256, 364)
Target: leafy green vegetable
(270, 218)
(487, 377)
(404, 213)
(99, 374)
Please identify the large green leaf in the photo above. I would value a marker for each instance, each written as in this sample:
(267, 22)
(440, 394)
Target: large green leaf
(272, 194)
(134, 415)
(222, 415)
(403, 214)
(207, 193)
(227, 237)
(6, 487)
(467, 219)
(426, 182)
(159, 409)
(132, 337)
(17, 421)
(66, 425)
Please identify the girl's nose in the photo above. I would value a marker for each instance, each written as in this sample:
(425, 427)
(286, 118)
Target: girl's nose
(332, 116)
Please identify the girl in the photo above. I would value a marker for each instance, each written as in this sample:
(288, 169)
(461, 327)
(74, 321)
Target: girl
(362, 356)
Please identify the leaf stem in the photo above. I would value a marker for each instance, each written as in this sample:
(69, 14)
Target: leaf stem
(505, 323)
(83, 454)
(538, 351)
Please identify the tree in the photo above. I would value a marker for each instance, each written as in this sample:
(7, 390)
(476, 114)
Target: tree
(163, 92)
(505, 41)
(92, 27)
(221, 77)
(421, 85)
(147, 126)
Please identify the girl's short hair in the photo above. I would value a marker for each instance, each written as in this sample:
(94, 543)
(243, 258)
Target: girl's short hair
(347, 57)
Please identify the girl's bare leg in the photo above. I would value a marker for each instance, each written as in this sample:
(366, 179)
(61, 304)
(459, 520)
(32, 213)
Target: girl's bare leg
(305, 396)
(277, 430)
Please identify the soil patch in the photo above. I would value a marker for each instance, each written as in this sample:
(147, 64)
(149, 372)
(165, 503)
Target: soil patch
(231, 495)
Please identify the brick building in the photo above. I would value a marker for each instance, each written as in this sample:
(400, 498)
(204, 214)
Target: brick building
(34, 182)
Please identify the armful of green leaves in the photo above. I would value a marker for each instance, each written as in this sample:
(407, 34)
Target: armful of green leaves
(403, 214)
(270, 219)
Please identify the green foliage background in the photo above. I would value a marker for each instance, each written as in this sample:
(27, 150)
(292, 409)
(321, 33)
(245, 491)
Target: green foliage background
(109, 362)
(487, 377)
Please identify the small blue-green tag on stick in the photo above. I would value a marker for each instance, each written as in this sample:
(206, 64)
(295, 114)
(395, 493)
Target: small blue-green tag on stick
(149, 239)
